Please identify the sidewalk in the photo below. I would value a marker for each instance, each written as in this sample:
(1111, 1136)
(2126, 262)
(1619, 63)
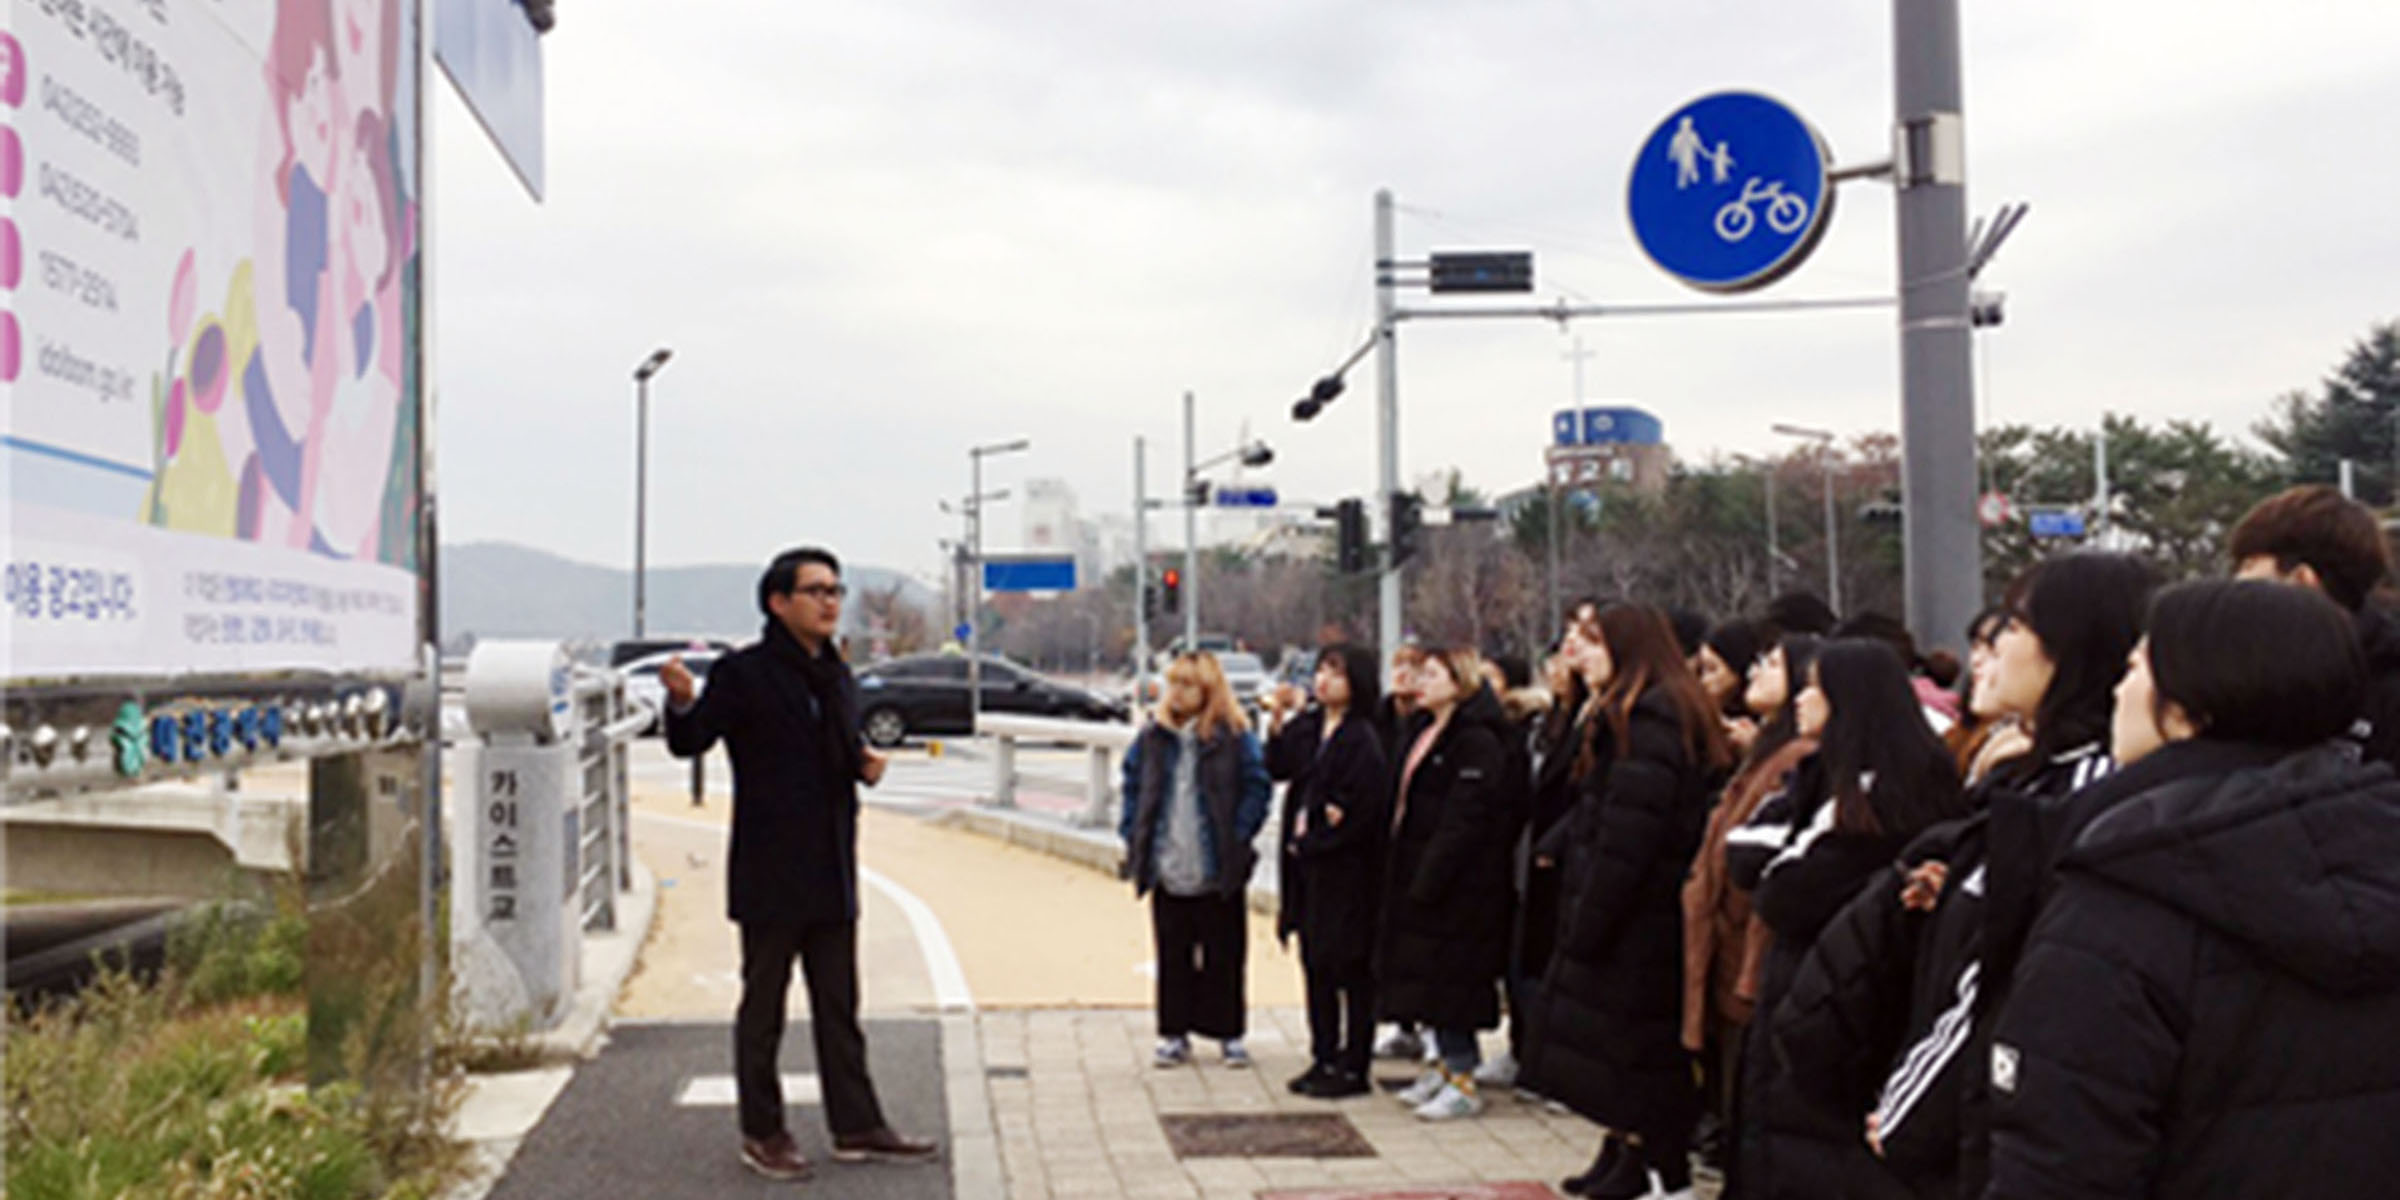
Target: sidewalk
(1078, 1109)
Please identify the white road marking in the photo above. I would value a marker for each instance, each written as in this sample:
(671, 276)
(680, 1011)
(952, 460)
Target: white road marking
(717, 1091)
(950, 989)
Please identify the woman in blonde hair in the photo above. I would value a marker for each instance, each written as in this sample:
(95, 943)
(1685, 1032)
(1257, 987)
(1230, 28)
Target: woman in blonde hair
(1195, 795)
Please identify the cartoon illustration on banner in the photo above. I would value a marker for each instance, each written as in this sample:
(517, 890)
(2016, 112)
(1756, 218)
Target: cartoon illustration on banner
(214, 428)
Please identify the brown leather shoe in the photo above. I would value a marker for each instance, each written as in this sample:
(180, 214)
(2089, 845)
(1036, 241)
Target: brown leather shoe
(776, 1157)
(884, 1145)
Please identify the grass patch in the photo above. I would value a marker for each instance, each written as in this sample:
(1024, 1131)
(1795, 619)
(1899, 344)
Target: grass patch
(194, 1084)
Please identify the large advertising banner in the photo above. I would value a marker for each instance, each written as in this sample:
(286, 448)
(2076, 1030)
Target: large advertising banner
(209, 299)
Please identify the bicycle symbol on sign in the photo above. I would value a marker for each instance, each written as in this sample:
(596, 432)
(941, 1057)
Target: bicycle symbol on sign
(1785, 212)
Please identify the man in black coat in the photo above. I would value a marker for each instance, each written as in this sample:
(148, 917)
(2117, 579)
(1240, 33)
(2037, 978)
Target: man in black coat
(787, 710)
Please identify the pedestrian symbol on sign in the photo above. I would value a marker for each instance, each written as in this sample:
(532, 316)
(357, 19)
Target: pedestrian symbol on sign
(1688, 148)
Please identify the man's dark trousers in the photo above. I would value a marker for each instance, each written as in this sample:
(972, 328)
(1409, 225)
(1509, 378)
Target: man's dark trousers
(828, 952)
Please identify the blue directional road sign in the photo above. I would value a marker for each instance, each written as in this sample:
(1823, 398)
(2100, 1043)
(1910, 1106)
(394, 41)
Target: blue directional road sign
(1030, 573)
(962, 632)
(2055, 524)
(1228, 497)
(1730, 192)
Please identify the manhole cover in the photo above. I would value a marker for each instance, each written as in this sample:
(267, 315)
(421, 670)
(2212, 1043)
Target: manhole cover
(1287, 1135)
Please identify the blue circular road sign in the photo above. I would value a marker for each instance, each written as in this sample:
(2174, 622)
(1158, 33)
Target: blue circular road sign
(1730, 192)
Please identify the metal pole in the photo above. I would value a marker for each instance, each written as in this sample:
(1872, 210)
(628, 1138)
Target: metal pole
(1191, 534)
(1577, 356)
(1387, 423)
(975, 593)
(641, 504)
(2100, 497)
(1937, 409)
(1774, 552)
(1556, 532)
(1833, 540)
(1141, 573)
(2349, 480)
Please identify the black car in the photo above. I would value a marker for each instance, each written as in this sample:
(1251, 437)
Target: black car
(927, 693)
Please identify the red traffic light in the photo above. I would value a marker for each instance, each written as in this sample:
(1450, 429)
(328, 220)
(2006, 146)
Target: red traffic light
(1171, 577)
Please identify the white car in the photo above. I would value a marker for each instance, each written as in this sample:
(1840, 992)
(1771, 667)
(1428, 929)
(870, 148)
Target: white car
(642, 685)
(1247, 674)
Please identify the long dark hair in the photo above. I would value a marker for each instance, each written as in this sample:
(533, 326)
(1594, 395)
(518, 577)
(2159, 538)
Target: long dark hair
(1643, 654)
(1359, 667)
(1783, 725)
(1876, 731)
(2087, 608)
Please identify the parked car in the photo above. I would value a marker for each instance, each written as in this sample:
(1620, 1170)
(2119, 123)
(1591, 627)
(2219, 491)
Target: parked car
(1248, 675)
(642, 684)
(919, 694)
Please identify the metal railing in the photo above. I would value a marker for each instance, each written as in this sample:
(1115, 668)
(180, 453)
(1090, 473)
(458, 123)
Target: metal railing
(1105, 742)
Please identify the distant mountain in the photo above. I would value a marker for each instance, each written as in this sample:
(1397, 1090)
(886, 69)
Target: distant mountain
(497, 589)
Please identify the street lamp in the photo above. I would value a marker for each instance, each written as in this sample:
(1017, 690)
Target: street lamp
(975, 457)
(641, 485)
(1833, 546)
(1256, 454)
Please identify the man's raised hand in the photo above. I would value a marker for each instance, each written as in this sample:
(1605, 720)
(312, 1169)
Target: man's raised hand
(677, 679)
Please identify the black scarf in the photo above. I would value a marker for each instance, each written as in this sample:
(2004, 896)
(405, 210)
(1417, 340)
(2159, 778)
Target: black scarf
(827, 677)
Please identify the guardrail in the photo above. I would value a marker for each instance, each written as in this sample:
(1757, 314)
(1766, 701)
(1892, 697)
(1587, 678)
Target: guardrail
(1104, 740)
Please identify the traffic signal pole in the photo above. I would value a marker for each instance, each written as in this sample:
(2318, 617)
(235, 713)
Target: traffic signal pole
(1141, 576)
(1937, 405)
(1387, 422)
(1191, 531)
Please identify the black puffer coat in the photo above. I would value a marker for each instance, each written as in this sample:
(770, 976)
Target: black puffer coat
(1606, 1028)
(2379, 726)
(1447, 886)
(1802, 870)
(2206, 1005)
(1332, 875)
(1551, 784)
(1931, 1107)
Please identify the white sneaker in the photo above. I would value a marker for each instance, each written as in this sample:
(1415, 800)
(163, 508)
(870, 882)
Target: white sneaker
(1427, 1086)
(1237, 1056)
(1451, 1103)
(1172, 1052)
(1499, 1073)
(1399, 1043)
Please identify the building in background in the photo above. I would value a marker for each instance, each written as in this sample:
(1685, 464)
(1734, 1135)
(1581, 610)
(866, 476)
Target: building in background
(1599, 446)
(1054, 522)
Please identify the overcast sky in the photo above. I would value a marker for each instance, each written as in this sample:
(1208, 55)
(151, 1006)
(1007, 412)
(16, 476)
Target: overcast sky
(875, 234)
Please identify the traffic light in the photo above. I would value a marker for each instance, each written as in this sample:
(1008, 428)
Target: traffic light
(1350, 535)
(1170, 591)
(1408, 517)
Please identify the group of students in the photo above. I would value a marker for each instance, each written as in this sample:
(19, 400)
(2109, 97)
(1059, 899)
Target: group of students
(2117, 914)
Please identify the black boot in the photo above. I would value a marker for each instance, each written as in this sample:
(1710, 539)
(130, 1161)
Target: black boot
(1628, 1178)
(1612, 1153)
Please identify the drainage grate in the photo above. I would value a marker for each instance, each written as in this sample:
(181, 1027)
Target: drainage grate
(1283, 1135)
(1004, 1072)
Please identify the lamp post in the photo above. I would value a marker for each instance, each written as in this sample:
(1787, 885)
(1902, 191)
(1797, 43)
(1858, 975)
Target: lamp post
(641, 485)
(1833, 545)
(1256, 454)
(975, 457)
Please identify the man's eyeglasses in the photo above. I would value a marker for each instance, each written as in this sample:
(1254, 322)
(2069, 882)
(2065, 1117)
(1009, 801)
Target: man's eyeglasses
(822, 591)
